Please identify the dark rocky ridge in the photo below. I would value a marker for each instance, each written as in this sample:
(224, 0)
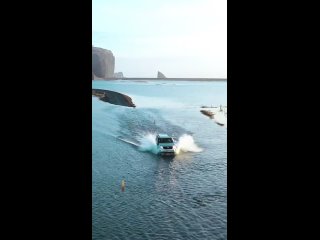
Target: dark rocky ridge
(113, 97)
(103, 63)
(207, 113)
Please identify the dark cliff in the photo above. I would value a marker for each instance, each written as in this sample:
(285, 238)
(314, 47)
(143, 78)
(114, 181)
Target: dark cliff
(103, 63)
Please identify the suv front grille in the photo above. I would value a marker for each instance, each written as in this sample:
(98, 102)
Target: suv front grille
(169, 147)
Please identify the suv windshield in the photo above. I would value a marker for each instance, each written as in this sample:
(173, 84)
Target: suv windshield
(165, 140)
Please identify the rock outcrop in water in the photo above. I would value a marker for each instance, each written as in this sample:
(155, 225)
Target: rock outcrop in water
(161, 75)
(118, 75)
(103, 63)
(207, 113)
(218, 114)
(113, 97)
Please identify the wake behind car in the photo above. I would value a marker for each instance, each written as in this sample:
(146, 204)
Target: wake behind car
(165, 145)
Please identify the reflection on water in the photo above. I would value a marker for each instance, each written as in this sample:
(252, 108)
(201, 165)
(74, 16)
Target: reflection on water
(164, 198)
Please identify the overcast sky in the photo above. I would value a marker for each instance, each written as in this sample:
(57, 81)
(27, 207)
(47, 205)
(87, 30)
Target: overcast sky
(180, 38)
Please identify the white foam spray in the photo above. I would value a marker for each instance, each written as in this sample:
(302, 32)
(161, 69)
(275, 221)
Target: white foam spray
(185, 144)
(148, 143)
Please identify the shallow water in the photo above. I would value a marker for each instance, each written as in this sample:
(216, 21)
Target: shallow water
(180, 198)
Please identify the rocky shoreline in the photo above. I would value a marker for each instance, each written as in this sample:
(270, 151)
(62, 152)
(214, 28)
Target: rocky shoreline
(218, 114)
(113, 97)
(207, 113)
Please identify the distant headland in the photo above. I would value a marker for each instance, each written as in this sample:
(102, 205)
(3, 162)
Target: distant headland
(175, 79)
(103, 65)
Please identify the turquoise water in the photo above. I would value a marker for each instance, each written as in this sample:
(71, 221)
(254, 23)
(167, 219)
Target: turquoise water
(180, 198)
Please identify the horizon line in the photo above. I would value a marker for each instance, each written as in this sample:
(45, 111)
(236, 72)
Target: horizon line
(150, 78)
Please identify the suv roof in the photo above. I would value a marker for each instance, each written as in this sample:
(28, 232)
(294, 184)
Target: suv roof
(163, 135)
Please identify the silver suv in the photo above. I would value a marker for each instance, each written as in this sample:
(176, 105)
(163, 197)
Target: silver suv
(165, 144)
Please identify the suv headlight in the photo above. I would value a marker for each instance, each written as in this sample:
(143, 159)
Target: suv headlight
(161, 147)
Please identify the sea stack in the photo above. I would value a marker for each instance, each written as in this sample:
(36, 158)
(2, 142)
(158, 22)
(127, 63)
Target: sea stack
(118, 75)
(161, 75)
(103, 62)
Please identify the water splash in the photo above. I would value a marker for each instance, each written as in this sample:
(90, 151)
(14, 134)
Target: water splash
(184, 144)
(148, 143)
